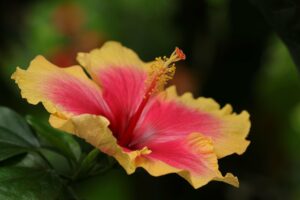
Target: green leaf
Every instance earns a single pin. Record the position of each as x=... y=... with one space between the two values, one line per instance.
x=9 y=137
x=9 y=150
x=21 y=183
x=13 y=141
x=17 y=126
x=64 y=143
x=87 y=163
x=33 y=160
x=57 y=161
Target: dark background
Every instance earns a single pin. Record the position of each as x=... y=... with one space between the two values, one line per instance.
x=234 y=55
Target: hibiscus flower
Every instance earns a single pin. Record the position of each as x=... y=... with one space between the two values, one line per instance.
x=125 y=111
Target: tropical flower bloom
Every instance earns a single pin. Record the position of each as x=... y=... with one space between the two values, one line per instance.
x=124 y=111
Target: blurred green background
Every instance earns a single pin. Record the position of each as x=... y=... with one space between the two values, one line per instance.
x=233 y=55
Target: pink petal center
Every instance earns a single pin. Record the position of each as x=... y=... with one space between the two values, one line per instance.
x=165 y=121
x=123 y=90
x=75 y=96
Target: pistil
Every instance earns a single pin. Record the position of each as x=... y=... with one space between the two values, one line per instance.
x=162 y=70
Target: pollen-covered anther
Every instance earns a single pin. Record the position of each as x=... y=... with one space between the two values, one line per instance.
x=163 y=69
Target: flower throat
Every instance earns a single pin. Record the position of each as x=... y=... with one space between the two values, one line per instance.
x=161 y=71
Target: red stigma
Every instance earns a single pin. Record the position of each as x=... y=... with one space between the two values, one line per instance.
x=180 y=53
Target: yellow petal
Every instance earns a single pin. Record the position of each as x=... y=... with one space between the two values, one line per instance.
x=94 y=129
x=203 y=147
x=233 y=128
x=111 y=54
x=59 y=89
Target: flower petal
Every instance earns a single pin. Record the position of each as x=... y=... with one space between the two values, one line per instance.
x=94 y=129
x=111 y=54
x=66 y=91
x=170 y=117
x=228 y=130
x=123 y=90
x=193 y=158
x=122 y=76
